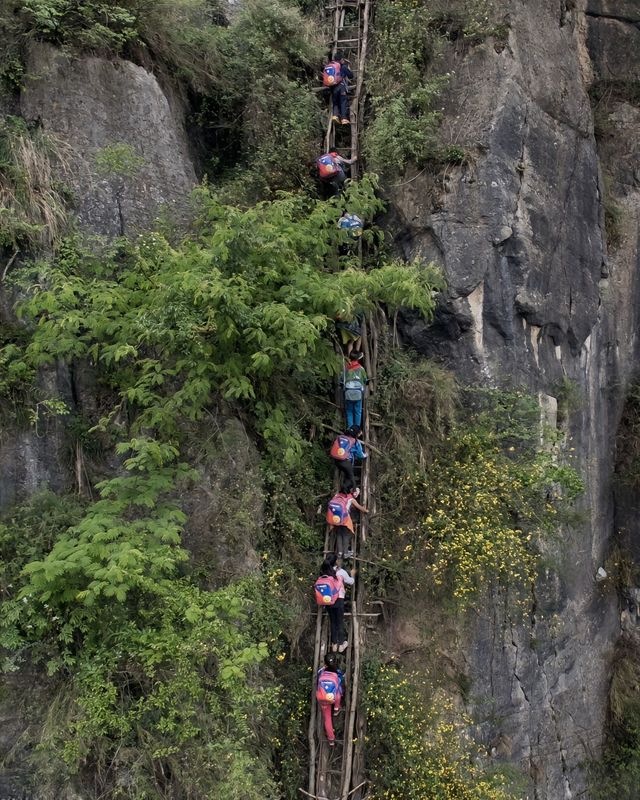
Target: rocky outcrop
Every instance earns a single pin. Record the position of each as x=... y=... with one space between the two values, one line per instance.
x=90 y=104
x=537 y=298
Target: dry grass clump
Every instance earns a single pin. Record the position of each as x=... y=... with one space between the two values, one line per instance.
x=32 y=195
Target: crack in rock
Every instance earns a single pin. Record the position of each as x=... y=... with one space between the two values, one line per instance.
x=614 y=17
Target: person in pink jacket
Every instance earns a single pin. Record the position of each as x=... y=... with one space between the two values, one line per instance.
x=329 y=693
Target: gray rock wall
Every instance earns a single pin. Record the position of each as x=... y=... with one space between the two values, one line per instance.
x=536 y=299
x=93 y=103
x=87 y=104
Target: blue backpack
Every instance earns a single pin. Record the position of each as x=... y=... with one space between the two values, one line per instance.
x=352 y=224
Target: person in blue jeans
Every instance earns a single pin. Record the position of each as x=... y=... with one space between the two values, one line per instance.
x=339 y=95
x=354 y=381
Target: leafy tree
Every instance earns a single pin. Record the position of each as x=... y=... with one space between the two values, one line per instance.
x=170 y=679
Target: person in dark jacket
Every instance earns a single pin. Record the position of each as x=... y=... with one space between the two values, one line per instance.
x=339 y=642
x=339 y=93
x=350 y=331
x=345 y=449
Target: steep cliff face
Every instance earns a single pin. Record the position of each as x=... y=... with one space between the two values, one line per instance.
x=536 y=300
x=90 y=106
x=93 y=103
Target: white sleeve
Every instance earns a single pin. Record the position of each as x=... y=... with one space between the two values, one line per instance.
x=342 y=573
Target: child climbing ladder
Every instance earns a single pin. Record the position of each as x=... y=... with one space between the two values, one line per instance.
x=331 y=774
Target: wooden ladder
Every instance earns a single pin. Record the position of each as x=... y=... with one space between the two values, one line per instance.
x=350 y=24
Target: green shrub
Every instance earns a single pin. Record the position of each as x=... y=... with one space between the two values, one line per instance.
x=417 y=745
x=618 y=772
x=467 y=489
x=404 y=79
x=166 y=675
x=404 y=122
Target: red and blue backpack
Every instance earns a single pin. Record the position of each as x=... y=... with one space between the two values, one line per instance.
x=342 y=447
x=327 y=590
x=328 y=166
x=332 y=74
x=328 y=687
x=338 y=509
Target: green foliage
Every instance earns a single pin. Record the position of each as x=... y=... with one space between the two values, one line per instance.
x=467 y=489
x=417 y=746
x=242 y=311
x=28 y=533
x=405 y=82
x=618 y=773
x=16 y=376
x=167 y=683
x=91 y=25
x=118 y=159
x=404 y=124
x=265 y=121
x=32 y=200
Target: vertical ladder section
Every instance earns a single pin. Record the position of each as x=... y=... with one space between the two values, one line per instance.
x=350 y=24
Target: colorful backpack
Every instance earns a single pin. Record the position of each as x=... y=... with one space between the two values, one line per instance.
x=327 y=590
x=332 y=74
x=328 y=687
x=342 y=447
x=352 y=224
x=328 y=167
x=353 y=385
x=338 y=510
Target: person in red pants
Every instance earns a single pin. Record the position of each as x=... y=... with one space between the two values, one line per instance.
x=329 y=693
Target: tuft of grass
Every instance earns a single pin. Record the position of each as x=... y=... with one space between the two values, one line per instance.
x=32 y=198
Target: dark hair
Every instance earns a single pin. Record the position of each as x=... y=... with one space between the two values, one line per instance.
x=357 y=355
x=329 y=564
x=355 y=431
x=331 y=662
x=338 y=56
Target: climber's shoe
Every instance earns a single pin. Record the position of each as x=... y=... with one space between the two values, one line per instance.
x=335 y=118
x=345 y=122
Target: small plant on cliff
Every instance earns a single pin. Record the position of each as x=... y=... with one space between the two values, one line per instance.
x=404 y=79
x=404 y=120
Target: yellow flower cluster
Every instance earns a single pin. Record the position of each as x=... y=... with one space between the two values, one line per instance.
x=487 y=509
x=417 y=749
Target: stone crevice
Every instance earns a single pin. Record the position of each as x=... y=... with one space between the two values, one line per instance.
x=615 y=17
